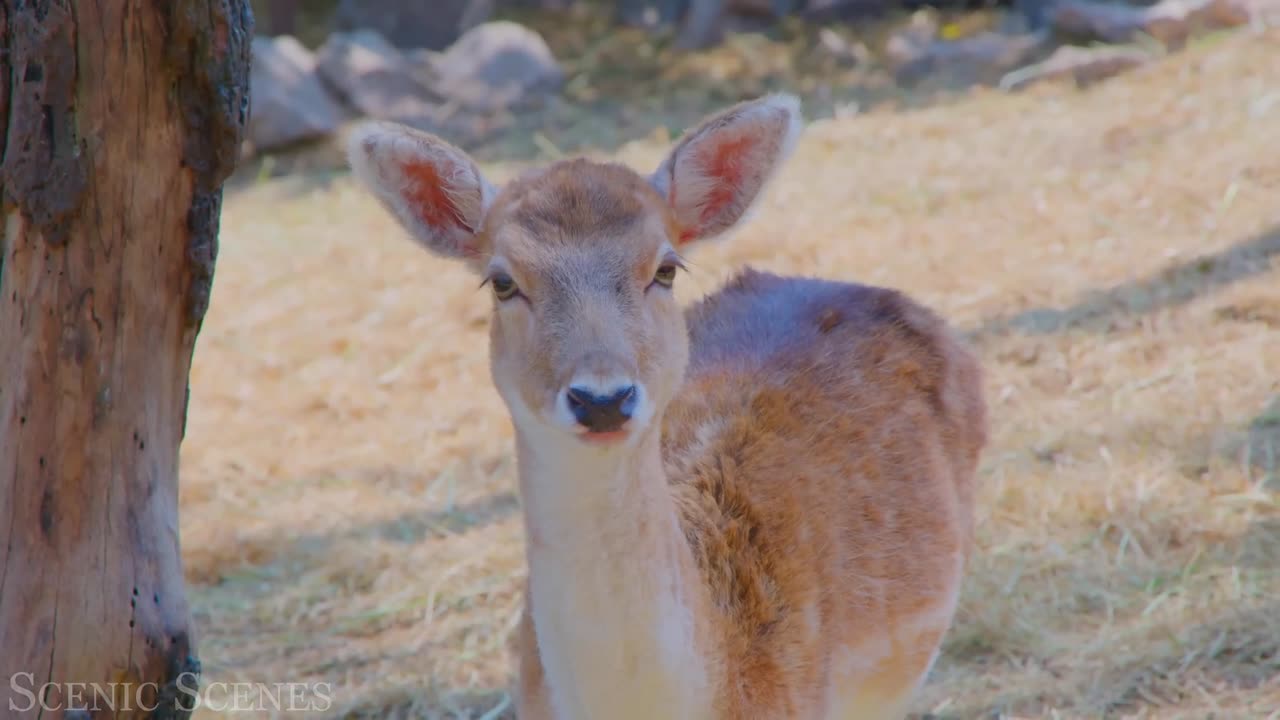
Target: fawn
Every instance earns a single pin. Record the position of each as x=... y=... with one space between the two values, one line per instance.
x=757 y=508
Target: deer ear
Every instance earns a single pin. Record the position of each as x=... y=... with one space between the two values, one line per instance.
x=716 y=173
x=431 y=187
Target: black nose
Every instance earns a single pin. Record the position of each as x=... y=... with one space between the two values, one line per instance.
x=602 y=413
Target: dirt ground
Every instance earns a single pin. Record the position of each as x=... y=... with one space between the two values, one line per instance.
x=348 y=500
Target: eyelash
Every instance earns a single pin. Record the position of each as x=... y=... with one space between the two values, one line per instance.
x=672 y=267
x=499 y=279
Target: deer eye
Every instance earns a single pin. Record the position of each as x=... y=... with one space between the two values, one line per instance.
x=666 y=275
x=504 y=288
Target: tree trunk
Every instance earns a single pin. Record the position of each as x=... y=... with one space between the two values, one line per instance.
x=119 y=122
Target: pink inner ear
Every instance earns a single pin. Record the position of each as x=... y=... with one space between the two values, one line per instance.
x=722 y=166
x=427 y=196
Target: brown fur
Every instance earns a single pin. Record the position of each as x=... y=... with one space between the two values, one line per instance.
x=840 y=482
x=807 y=494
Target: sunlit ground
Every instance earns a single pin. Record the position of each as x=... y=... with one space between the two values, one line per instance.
x=348 y=506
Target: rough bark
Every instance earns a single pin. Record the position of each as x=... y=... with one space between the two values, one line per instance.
x=121 y=120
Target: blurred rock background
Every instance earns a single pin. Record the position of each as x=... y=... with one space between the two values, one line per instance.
x=540 y=78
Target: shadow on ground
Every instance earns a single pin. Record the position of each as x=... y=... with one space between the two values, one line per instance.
x=1106 y=310
x=409 y=527
x=1235 y=649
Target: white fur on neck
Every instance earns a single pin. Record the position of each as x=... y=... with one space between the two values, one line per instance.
x=616 y=635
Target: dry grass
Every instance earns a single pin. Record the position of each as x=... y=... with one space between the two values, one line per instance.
x=347 y=490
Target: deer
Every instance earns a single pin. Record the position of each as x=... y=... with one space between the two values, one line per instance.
x=756 y=507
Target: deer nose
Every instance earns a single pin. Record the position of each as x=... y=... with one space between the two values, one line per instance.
x=602 y=413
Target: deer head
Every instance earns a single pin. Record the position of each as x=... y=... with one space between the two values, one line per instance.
x=587 y=341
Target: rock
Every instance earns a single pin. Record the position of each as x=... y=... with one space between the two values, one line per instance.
x=1085 y=65
x=1033 y=13
x=843 y=50
x=431 y=24
x=371 y=74
x=377 y=80
x=1170 y=21
x=289 y=104
x=495 y=66
x=908 y=45
x=916 y=51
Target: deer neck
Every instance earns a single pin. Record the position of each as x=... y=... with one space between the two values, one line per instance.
x=618 y=606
